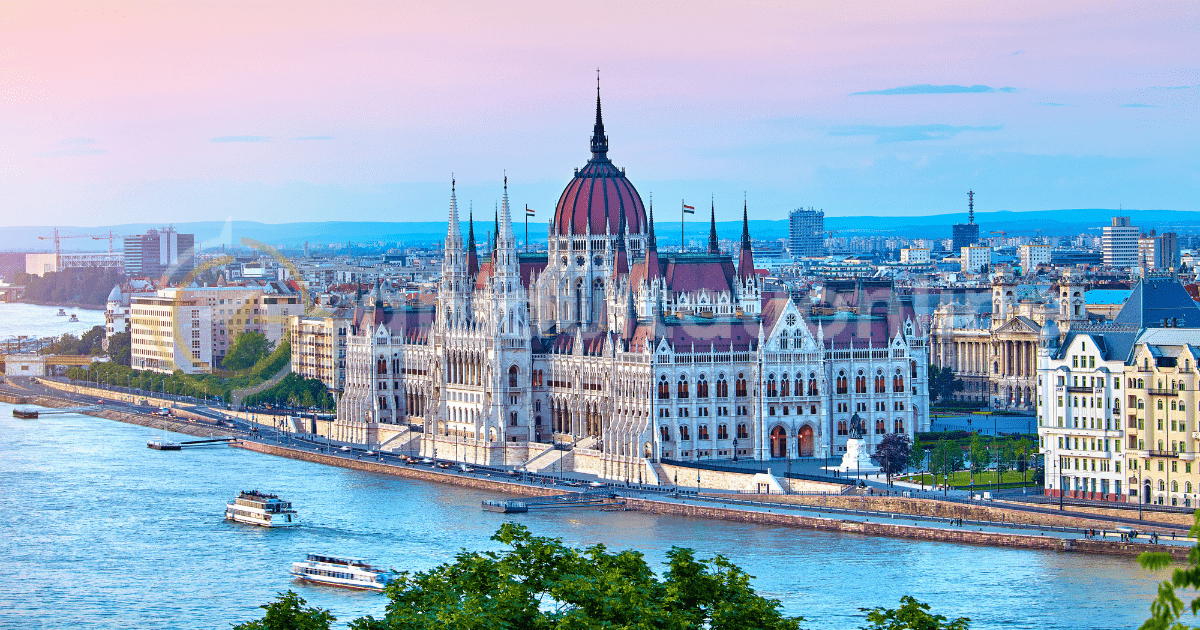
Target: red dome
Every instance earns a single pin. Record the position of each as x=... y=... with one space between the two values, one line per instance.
x=599 y=194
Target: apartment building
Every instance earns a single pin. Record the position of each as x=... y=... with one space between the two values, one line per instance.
x=192 y=328
x=319 y=346
x=1119 y=244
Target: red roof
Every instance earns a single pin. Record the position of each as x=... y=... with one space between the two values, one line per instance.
x=599 y=194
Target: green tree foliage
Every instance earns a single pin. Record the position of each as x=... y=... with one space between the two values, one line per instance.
x=247 y=350
x=911 y=615
x=980 y=458
x=541 y=584
x=70 y=286
x=916 y=454
x=294 y=390
x=942 y=383
x=290 y=613
x=87 y=344
x=1167 y=608
x=120 y=348
x=892 y=453
x=945 y=458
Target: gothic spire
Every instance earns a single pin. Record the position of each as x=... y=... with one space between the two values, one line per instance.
x=621 y=259
x=472 y=255
x=651 y=249
x=599 y=139
x=746 y=255
x=453 y=230
x=713 y=246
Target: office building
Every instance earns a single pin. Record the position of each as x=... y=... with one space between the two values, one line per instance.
x=1119 y=244
x=160 y=252
x=1033 y=255
x=807 y=231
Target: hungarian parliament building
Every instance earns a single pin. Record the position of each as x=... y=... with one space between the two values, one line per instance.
x=604 y=354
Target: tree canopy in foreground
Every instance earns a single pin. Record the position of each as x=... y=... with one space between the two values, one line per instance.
x=540 y=584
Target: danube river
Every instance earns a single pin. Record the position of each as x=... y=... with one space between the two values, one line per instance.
x=98 y=531
x=34 y=320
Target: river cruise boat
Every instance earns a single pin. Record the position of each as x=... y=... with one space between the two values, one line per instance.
x=265 y=510
x=74 y=318
x=345 y=572
x=62 y=312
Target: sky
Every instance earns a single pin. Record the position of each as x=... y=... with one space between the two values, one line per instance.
x=290 y=111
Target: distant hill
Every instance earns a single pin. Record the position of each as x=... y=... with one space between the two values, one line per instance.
x=321 y=234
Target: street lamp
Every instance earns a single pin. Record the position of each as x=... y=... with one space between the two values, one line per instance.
x=734 y=449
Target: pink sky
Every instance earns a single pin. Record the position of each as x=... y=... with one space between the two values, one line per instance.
x=109 y=111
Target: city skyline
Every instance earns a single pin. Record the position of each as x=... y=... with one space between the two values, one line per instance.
x=364 y=111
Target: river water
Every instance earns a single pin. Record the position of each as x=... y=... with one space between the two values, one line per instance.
x=98 y=531
x=33 y=320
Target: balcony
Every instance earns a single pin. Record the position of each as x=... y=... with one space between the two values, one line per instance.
x=1076 y=389
x=1162 y=392
x=1162 y=454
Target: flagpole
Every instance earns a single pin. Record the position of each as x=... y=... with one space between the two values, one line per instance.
x=526 y=227
x=682 y=209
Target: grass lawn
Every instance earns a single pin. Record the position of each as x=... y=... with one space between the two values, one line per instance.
x=963 y=478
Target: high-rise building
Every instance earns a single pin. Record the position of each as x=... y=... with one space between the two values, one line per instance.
x=1149 y=254
x=160 y=252
x=807 y=230
x=1168 y=251
x=965 y=234
x=1119 y=243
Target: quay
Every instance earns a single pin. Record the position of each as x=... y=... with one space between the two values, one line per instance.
x=777 y=510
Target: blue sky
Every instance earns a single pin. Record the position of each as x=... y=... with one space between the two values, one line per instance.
x=361 y=111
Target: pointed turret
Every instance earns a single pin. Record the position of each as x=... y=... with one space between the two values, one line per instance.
x=621 y=258
x=713 y=246
x=651 y=250
x=472 y=255
x=746 y=255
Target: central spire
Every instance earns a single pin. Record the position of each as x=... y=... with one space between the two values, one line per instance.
x=599 y=140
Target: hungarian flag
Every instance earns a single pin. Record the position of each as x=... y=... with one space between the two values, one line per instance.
x=689 y=209
x=528 y=211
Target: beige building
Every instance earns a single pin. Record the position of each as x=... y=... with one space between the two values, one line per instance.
x=319 y=346
x=975 y=258
x=192 y=328
x=1033 y=255
x=914 y=255
x=170 y=331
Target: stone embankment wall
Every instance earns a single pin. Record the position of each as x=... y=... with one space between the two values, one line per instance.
x=411 y=472
x=946 y=509
x=890 y=528
x=722 y=480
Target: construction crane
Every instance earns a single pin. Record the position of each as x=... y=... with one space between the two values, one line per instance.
x=57 y=238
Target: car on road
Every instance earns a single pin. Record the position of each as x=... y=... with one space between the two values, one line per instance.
x=345 y=449
x=426 y=461
x=409 y=459
x=444 y=465
x=465 y=468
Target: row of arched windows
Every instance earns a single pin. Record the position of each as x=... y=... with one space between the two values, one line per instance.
x=683 y=387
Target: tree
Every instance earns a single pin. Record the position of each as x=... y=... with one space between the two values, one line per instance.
x=538 y=583
x=911 y=615
x=980 y=458
x=1166 y=609
x=943 y=383
x=289 y=613
x=119 y=348
x=247 y=349
x=944 y=460
x=916 y=457
x=892 y=453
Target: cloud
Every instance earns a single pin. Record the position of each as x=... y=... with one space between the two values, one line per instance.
x=241 y=139
x=1136 y=105
x=908 y=133
x=315 y=138
x=70 y=151
x=75 y=142
x=926 y=88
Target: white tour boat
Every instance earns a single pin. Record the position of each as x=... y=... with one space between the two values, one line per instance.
x=266 y=510
x=345 y=572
